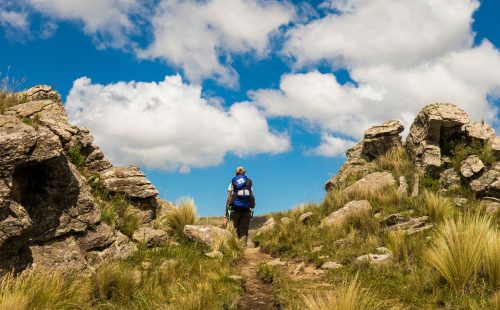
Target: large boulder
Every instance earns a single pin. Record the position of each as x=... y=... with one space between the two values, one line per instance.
x=449 y=179
x=372 y=183
x=479 y=131
x=352 y=208
x=150 y=237
x=268 y=226
x=495 y=146
x=434 y=125
x=471 y=166
x=489 y=182
x=379 y=140
x=206 y=234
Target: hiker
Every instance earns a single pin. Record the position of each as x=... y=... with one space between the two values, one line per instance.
x=240 y=203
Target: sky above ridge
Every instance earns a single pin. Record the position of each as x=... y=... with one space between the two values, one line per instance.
x=191 y=89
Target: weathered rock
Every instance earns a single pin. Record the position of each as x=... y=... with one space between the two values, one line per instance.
x=384 y=250
x=460 y=201
x=353 y=208
x=479 y=131
x=236 y=278
x=375 y=259
x=495 y=146
x=371 y=183
x=214 y=254
x=331 y=266
x=205 y=234
x=489 y=182
x=150 y=237
x=276 y=262
x=434 y=124
x=449 y=179
x=393 y=219
x=42 y=92
x=304 y=218
x=403 y=187
x=63 y=255
x=285 y=220
x=491 y=205
x=471 y=166
x=268 y=226
x=354 y=167
x=413 y=226
x=122 y=248
x=100 y=238
x=416 y=185
x=381 y=139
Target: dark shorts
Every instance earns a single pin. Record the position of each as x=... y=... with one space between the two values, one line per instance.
x=241 y=221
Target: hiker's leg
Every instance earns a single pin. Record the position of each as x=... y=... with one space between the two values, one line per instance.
x=235 y=219
x=244 y=225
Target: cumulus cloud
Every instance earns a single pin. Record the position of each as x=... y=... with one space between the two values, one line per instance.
x=14 y=19
x=332 y=146
x=366 y=32
x=196 y=35
x=467 y=78
x=168 y=124
x=108 y=21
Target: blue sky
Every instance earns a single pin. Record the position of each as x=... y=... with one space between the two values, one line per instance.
x=191 y=89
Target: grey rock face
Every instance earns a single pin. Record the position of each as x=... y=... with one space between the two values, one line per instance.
x=489 y=182
x=149 y=236
x=471 y=166
x=381 y=139
x=479 y=131
x=449 y=179
x=434 y=124
x=413 y=226
x=371 y=183
x=351 y=209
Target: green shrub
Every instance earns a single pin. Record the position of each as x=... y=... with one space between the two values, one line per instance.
x=458 y=249
x=350 y=296
x=429 y=182
x=266 y=273
x=462 y=150
x=118 y=212
x=76 y=157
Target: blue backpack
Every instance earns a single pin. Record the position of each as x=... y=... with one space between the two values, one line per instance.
x=242 y=192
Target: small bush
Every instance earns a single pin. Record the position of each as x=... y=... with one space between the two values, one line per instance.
x=266 y=273
x=397 y=161
x=463 y=150
x=430 y=183
x=42 y=289
x=114 y=282
x=76 y=157
x=458 y=249
x=350 y=296
x=230 y=246
x=492 y=259
x=118 y=212
x=184 y=214
x=437 y=207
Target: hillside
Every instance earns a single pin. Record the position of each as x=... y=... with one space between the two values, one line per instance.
x=405 y=224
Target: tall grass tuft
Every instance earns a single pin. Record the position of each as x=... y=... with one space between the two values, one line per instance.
x=458 y=249
x=491 y=263
x=184 y=214
x=397 y=161
x=230 y=246
x=114 y=282
x=437 y=207
x=350 y=296
x=42 y=289
x=118 y=212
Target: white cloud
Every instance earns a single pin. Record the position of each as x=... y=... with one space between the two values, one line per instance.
x=108 y=21
x=168 y=124
x=367 y=32
x=194 y=35
x=14 y=19
x=466 y=78
x=332 y=146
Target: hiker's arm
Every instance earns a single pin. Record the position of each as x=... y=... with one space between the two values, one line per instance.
x=228 y=200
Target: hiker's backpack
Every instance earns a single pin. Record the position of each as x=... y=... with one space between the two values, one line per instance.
x=242 y=192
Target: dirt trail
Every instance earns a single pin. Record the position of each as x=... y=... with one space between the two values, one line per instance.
x=258 y=295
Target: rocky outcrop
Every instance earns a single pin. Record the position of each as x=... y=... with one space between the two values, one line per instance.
x=371 y=183
x=489 y=182
x=377 y=141
x=449 y=179
x=435 y=124
x=471 y=166
x=48 y=215
x=150 y=237
x=353 y=208
x=268 y=226
x=479 y=131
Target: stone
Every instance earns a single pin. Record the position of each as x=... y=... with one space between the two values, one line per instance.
x=393 y=219
x=236 y=278
x=491 y=205
x=471 y=166
x=299 y=269
x=373 y=182
x=489 y=182
x=416 y=185
x=449 y=179
x=150 y=237
x=331 y=266
x=383 y=250
x=215 y=254
x=375 y=259
x=206 y=234
x=276 y=262
x=495 y=146
x=128 y=180
x=403 y=187
x=305 y=217
x=268 y=226
x=379 y=140
x=435 y=123
x=317 y=248
x=460 y=201
x=354 y=167
x=350 y=209
x=101 y=237
x=63 y=255
x=479 y=131
x=42 y=92
x=285 y=220
x=413 y=226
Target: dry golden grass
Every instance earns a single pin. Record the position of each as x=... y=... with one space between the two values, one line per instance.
x=350 y=296
x=436 y=206
x=175 y=220
x=459 y=248
x=396 y=161
x=491 y=261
